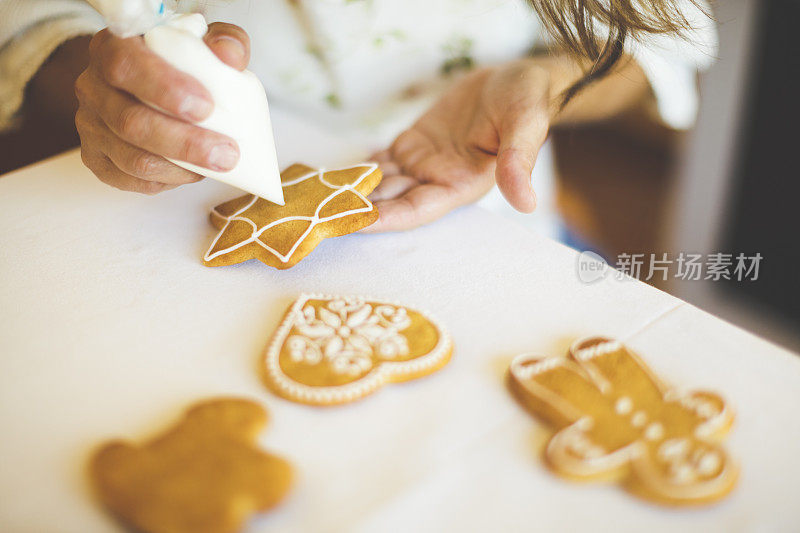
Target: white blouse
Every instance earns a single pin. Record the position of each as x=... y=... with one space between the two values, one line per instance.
x=366 y=62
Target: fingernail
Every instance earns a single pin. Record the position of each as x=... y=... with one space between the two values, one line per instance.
x=229 y=46
x=195 y=107
x=223 y=157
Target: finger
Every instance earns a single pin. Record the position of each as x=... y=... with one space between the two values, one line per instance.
x=230 y=43
x=390 y=168
x=407 y=143
x=392 y=187
x=513 y=176
x=387 y=164
x=381 y=157
x=129 y=65
x=128 y=158
x=411 y=150
x=108 y=173
x=420 y=205
x=147 y=166
x=160 y=134
x=521 y=136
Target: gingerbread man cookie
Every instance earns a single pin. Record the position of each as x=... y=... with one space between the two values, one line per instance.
x=319 y=204
x=617 y=421
x=204 y=475
x=332 y=350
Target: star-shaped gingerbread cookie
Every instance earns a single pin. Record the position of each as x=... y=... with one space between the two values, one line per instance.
x=319 y=204
x=206 y=474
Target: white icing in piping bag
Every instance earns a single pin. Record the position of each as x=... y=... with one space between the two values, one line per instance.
x=240 y=110
x=126 y=18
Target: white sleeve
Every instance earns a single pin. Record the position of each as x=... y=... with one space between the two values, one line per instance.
x=672 y=63
x=30 y=30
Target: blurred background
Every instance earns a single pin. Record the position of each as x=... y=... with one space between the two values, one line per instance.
x=731 y=186
x=629 y=189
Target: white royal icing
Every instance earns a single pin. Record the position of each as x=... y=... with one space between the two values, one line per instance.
x=574 y=452
x=347 y=332
x=596 y=350
x=687 y=463
x=623 y=406
x=639 y=419
x=314 y=220
x=654 y=431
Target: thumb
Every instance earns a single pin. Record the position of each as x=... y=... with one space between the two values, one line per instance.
x=230 y=43
x=521 y=136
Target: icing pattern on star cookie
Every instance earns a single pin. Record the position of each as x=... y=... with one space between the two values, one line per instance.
x=617 y=420
x=205 y=473
x=315 y=201
x=330 y=350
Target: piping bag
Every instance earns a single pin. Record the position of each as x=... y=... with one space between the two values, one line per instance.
x=241 y=110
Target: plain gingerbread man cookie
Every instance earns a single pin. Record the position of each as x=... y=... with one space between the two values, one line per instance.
x=331 y=350
x=617 y=421
x=319 y=204
x=203 y=475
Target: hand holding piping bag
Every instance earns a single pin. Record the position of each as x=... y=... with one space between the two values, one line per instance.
x=177 y=105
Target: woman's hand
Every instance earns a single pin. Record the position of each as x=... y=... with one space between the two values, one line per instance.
x=488 y=128
x=126 y=142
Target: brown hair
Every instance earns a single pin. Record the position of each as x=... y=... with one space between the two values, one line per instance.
x=597 y=29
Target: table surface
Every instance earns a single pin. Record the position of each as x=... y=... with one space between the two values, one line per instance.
x=110 y=326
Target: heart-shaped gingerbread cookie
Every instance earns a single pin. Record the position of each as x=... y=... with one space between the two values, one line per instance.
x=331 y=350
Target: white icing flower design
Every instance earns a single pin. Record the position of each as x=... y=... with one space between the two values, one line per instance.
x=348 y=333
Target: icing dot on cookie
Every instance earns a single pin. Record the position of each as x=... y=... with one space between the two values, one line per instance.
x=706 y=410
x=623 y=406
x=654 y=431
x=709 y=464
x=594 y=452
x=639 y=419
x=673 y=449
x=683 y=473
